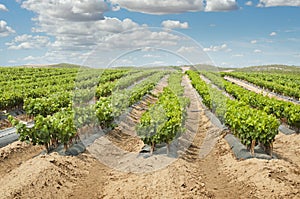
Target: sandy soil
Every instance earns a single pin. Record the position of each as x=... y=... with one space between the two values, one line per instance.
x=13 y=155
x=24 y=117
x=190 y=176
x=268 y=178
x=125 y=132
x=4 y=124
x=287 y=147
x=206 y=169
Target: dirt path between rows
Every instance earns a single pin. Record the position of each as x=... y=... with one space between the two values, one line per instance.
x=208 y=81
x=205 y=168
x=189 y=176
x=256 y=89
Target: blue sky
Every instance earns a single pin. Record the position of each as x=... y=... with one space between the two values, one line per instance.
x=107 y=33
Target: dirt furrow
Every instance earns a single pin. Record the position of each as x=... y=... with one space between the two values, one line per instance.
x=124 y=135
x=189 y=176
x=216 y=87
x=205 y=167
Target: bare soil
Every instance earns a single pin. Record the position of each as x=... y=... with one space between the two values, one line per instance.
x=206 y=169
x=15 y=154
x=4 y=124
x=24 y=117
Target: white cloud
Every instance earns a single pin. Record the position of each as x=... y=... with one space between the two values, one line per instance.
x=28 y=42
x=158 y=63
x=114 y=25
x=75 y=36
x=160 y=7
x=122 y=62
x=257 y=51
x=216 y=48
x=148 y=40
x=83 y=18
x=12 y=61
x=174 y=24
x=220 y=5
x=4 y=29
x=253 y=42
x=30 y=58
x=187 y=49
x=238 y=55
x=249 y=3
x=151 y=56
x=139 y=39
x=272 y=3
x=148 y=49
x=74 y=27
x=83 y=10
x=3 y=7
x=273 y=34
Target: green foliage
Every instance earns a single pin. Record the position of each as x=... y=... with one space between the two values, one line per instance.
x=85 y=116
x=201 y=88
x=248 y=124
x=152 y=122
x=106 y=89
x=18 y=84
x=109 y=75
x=108 y=108
x=47 y=105
x=48 y=94
x=163 y=121
x=104 y=111
x=59 y=128
x=285 y=84
x=279 y=109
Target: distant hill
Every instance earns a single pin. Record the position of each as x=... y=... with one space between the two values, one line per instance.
x=66 y=65
x=270 y=68
x=206 y=67
x=61 y=65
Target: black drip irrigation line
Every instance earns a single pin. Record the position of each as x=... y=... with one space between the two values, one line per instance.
x=83 y=143
x=9 y=135
x=240 y=151
x=282 y=128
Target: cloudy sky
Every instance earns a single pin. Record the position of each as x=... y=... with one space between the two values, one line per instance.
x=103 y=33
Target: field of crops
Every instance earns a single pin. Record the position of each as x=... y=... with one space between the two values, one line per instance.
x=158 y=116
